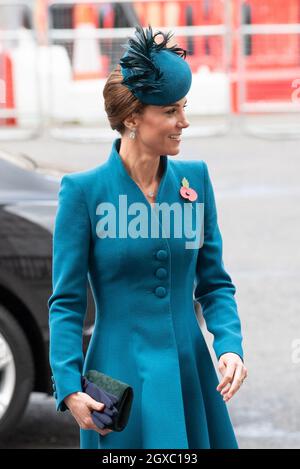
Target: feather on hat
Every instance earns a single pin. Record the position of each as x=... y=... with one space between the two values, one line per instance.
x=154 y=73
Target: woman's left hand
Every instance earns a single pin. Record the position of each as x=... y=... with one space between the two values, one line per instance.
x=234 y=372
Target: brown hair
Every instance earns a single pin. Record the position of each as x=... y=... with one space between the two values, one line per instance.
x=119 y=101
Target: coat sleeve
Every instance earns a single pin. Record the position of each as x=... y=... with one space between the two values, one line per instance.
x=68 y=302
x=214 y=288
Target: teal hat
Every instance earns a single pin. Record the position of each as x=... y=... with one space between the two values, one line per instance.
x=154 y=73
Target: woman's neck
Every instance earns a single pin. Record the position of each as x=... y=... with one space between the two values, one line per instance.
x=144 y=168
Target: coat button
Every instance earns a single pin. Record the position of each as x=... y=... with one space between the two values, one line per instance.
x=53 y=387
x=160 y=292
x=52 y=379
x=55 y=394
x=161 y=273
x=161 y=255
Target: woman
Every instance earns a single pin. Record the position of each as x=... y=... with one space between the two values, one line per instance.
x=143 y=274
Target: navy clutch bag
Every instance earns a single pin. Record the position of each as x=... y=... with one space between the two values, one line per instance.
x=116 y=395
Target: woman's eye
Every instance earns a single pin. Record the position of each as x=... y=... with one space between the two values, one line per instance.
x=173 y=110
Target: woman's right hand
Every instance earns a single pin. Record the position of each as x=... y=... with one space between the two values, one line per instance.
x=81 y=406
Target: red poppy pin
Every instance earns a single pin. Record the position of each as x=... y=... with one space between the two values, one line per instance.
x=187 y=192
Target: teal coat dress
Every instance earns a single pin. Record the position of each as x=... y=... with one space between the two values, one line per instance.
x=146 y=331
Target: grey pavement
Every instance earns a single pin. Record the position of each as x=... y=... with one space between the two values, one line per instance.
x=257 y=192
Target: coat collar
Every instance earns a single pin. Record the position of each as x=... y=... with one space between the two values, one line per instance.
x=117 y=167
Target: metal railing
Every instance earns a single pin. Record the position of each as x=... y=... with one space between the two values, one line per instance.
x=209 y=105
x=268 y=116
x=45 y=86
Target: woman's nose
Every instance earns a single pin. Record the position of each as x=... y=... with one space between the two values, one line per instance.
x=184 y=123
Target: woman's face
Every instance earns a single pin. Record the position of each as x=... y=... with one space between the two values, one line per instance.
x=158 y=123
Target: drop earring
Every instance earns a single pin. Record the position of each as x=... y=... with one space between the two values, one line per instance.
x=132 y=134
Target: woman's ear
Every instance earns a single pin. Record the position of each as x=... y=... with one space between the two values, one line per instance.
x=132 y=120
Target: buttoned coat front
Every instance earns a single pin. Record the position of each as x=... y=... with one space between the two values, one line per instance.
x=146 y=331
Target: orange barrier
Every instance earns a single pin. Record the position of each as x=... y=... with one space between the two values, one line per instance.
x=84 y=13
x=154 y=13
x=6 y=74
x=108 y=17
x=88 y=62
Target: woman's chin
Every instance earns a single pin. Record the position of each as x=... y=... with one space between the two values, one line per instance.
x=174 y=150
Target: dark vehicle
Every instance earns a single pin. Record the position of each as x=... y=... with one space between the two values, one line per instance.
x=28 y=203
